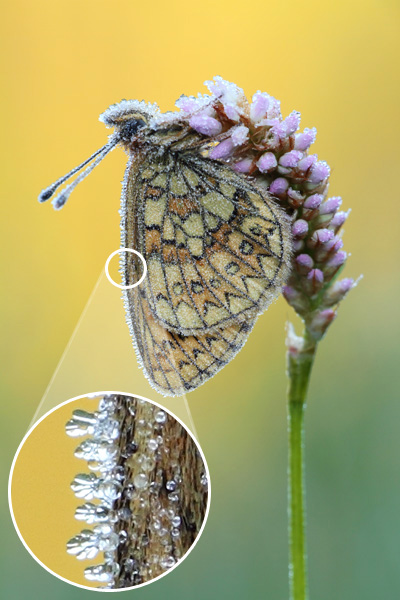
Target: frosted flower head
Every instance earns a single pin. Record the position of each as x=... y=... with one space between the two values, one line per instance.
x=193 y=104
x=258 y=141
x=231 y=97
x=264 y=108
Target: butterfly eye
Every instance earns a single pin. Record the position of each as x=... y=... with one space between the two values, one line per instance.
x=128 y=129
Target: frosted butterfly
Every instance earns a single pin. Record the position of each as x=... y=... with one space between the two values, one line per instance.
x=217 y=247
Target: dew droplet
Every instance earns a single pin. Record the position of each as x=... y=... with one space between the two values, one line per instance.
x=175 y=532
x=148 y=463
x=152 y=444
x=107 y=403
x=167 y=563
x=124 y=513
x=160 y=417
x=129 y=564
x=140 y=481
x=123 y=536
x=176 y=521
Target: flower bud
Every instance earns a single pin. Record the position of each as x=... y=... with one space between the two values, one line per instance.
x=304 y=140
x=337 y=260
x=304 y=263
x=330 y=206
x=305 y=163
x=315 y=281
x=338 y=220
x=321 y=236
x=326 y=251
x=319 y=171
x=313 y=201
x=240 y=135
x=205 y=125
x=292 y=122
x=244 y=166
x=334 y=263
x=311 y=205
x=259 y=106
x=298 y=245
x=300 y=228
x=295 y=198
x=279 y=186
x=267 y=162
x=297 y=300
x=290 y=159
x=223 y=150
x=336 y=292
x=231 y=111
x=320 y=323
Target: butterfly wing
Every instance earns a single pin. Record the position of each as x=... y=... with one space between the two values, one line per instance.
x=217 y=248
x=173 y=363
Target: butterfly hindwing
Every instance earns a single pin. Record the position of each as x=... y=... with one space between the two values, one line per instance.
x=175 y=364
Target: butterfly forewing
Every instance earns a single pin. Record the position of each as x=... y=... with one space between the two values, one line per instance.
x=215 y=244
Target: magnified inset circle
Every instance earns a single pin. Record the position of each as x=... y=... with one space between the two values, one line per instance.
x=125 y=287
x=109 y=492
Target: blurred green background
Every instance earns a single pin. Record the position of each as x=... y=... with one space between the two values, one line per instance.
x=63 y=63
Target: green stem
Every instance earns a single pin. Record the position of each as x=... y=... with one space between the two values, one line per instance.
x=299 y=370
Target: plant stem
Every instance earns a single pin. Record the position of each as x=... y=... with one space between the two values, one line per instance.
x=299 y=370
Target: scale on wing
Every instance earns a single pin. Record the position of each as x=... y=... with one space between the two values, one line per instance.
x=216 y=246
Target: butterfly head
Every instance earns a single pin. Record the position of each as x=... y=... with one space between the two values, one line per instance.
x=128 y=117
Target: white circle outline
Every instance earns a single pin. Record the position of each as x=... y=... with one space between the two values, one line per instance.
x=126 y=287
x=84 y=587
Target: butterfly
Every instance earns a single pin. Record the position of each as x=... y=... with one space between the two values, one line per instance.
x=217 y=247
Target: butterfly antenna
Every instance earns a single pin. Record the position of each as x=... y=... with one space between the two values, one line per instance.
x=61 y=198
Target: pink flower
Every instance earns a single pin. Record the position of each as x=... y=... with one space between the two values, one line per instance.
x=267 y=162
x=298 y=181
x=244 y=166
x=223 y=150
x=205 y=125
x=304 y=140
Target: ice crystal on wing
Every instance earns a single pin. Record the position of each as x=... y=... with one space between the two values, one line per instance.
x=92 y=513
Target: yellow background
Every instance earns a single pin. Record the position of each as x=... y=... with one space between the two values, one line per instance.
x=64 y=62
x=42 y=500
